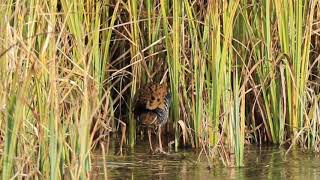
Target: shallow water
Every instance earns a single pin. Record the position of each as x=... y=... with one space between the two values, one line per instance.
x=260 y=162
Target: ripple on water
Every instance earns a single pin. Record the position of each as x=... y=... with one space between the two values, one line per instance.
x=260 y=162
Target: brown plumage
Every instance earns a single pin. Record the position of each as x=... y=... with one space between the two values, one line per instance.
x=151 y=108
x=151 y=96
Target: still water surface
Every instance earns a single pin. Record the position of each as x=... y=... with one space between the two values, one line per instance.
x=260 y=163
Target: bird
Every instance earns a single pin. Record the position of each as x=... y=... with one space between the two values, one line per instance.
x=151 y=105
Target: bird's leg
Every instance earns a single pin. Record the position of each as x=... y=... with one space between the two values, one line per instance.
x=160 y=142
x=149 y=136
x=159 y=134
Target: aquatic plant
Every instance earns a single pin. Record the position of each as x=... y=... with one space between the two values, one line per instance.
x=239 y=72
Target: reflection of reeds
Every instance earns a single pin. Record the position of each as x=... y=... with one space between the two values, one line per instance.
x=69 y=68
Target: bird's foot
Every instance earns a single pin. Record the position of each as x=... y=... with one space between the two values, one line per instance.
x=151 y=152
x=161 y=151
x=119 y=153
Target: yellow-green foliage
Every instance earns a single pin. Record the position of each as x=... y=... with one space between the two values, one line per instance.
x=239 y=71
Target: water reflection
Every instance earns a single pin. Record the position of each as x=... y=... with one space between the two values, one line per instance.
x=260 y=162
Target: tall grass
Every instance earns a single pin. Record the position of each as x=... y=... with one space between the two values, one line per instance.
x=239 y=71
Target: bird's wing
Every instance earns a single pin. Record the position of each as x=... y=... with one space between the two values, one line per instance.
x=148 y=118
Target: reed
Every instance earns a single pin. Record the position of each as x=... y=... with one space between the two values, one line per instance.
x=239 y=72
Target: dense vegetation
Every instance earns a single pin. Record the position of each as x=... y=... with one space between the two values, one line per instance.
x=240 y=72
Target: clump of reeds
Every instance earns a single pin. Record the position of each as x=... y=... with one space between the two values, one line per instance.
x=240 y=71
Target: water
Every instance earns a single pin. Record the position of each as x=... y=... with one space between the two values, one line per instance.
x=260 y=162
